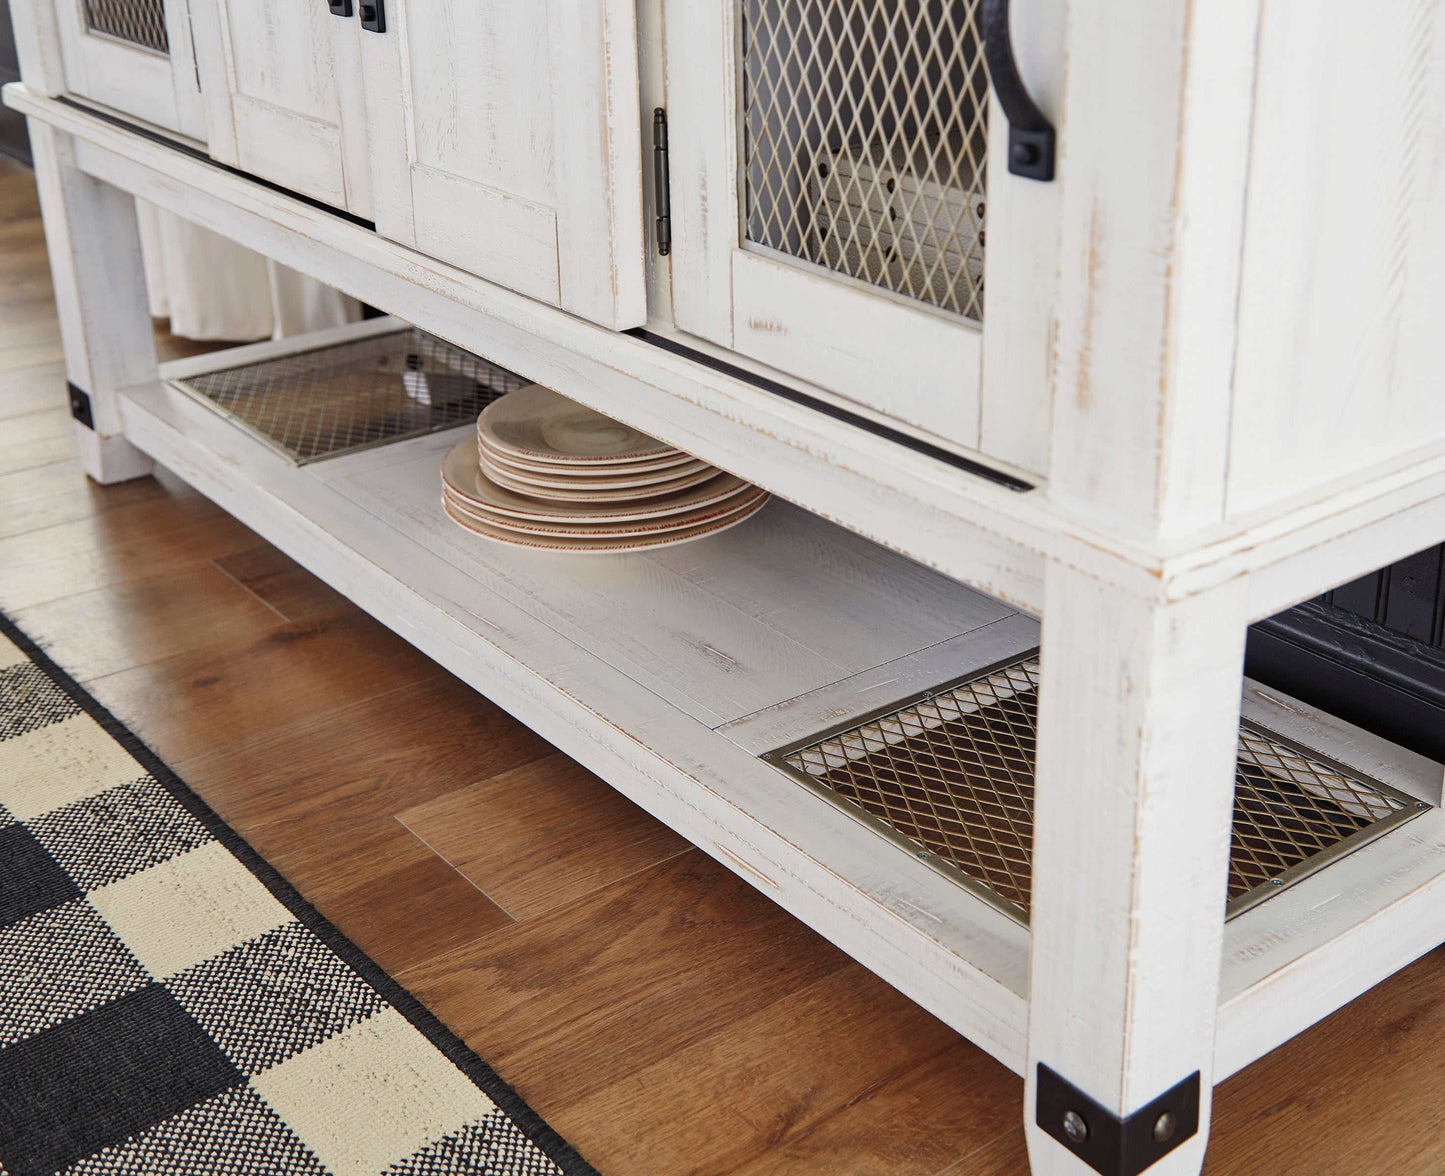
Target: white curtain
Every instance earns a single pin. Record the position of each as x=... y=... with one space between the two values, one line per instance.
x=212 y=288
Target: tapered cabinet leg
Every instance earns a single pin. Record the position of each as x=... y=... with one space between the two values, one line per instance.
x=1138 y=721
x=100 y=297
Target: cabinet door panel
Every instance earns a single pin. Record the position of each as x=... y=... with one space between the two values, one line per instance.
x=790 y=317
x=300 y=153
x=135 y=57
x=832 y=197
x=486 y=232
x=282 y=82
x=505 y=140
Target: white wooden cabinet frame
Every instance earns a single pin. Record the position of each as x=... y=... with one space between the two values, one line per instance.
x=1235 y=406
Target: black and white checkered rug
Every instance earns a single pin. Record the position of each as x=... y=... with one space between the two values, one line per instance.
x=170 y=1005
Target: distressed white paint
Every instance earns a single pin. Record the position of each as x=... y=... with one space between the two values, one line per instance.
x=1138 y=721
x=505 y=140
x=158 y=88
x=93 y=241
x=1152 y=170
x=1021 y=258
x=899 y=357
x=283 y=90
x=1340 y=341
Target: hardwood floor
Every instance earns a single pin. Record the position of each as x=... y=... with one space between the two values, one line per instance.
x=658 y=1011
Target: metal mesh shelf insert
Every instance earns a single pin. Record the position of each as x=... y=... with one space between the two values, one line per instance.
x=353 y=395
x=950 y=776
x=864 y=139
x=139 y=22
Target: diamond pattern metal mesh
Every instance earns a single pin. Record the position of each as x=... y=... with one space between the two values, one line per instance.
x=952 y=777
x=351 y=396
x=141 y=22
x=865 y=133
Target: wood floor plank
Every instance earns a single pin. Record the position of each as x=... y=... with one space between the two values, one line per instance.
x=48 y=496
x=30 y=389
x=36 y=439
x=570 y=1004
x=298 y=784
x=123 y=626
x=393 y=897
x=542 y=835
x=844 y=1075
x=1359 y=1092
x=282 y=583
x=194 y=702
x=113 y=546
x=1008 y=1156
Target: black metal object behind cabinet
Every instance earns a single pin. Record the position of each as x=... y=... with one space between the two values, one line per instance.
x=1371 y=651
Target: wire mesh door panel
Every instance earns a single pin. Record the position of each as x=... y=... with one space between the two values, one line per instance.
x=841 y=202
x=135 y=57
x=139 y=22
x=864 y=141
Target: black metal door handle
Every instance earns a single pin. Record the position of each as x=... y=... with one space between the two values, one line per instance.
x=373 y=16
x=1030 y=134
x=340 y=7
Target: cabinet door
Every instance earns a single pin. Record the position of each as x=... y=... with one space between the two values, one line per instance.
x=506 y=140
x=842 y=210
x=283 y=93
x=135 y=57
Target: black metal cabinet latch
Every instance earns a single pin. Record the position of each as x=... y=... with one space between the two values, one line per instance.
x=1108 y=1144
x=373 y=16
x=340 y=7
x=1030 y=134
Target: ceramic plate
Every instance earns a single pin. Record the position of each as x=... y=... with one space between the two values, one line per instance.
x=464 y=477
x=594 y=470
x=682 y=520
x=560 y=479
x=601 y=546
x=537 y=424
x=585 y=493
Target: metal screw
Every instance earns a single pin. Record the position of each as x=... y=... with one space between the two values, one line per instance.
x=1164 y=1127
x=1276 y=881
x=1075 y=1127
x=1420 y=804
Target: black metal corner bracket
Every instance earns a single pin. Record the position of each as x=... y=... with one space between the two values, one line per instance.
x=80 y=405
x=1030 y=134
x=1110 y=1145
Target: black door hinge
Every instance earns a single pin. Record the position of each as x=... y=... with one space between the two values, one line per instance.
x=661 y=181
x=1104 y=1141
x=80 y=405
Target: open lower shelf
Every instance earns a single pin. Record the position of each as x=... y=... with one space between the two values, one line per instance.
x=670 y=673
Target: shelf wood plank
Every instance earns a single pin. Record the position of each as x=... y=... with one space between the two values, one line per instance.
x=779 y=606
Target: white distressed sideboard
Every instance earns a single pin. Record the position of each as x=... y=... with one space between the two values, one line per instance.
x=1124 y=342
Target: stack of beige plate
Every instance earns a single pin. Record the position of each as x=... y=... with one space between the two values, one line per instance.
x=546 y=472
